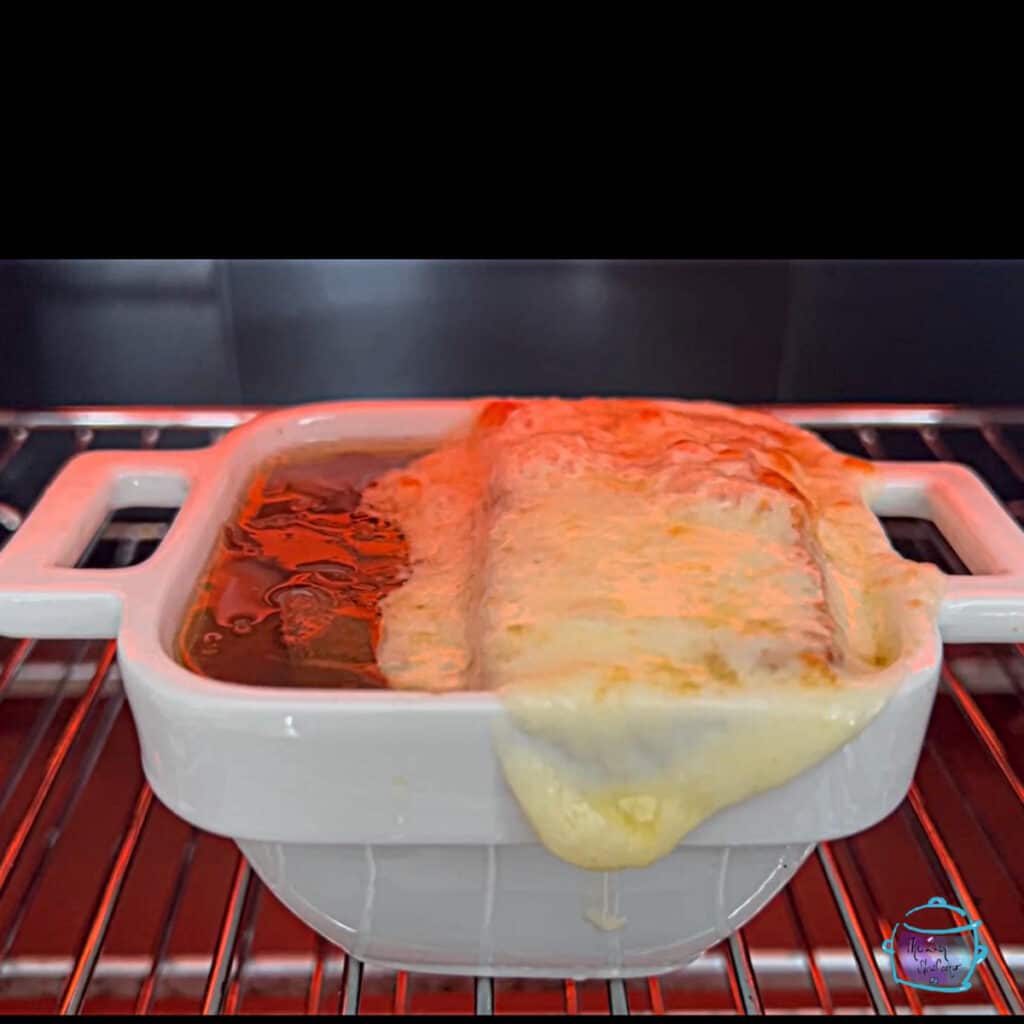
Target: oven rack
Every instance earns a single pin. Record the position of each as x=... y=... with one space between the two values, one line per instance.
x=109 y=903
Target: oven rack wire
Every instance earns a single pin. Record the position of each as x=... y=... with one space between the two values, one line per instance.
x=169 y=919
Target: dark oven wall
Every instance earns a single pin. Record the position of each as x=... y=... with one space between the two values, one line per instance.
x=266 y=332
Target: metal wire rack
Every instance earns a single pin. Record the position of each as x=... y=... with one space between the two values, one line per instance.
x=109 y=903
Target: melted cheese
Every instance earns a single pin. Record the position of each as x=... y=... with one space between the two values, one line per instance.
x=680 y=606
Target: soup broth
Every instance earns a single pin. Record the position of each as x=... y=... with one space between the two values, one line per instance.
x=291 y=594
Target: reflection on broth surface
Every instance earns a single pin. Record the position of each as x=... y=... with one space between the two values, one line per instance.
x=291 y=594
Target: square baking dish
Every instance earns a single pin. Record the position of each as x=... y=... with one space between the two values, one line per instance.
x=382 y=818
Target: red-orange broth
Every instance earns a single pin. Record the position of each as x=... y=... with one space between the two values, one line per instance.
x=291 y=594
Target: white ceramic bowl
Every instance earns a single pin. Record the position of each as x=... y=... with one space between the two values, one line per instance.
x=382 y=818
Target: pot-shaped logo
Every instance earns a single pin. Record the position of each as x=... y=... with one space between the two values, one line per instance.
x=935 y=947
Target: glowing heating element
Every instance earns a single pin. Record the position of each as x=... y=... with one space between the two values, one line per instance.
x=681 y=606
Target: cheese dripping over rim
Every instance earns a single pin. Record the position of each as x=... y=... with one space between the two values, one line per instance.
x=680 y=605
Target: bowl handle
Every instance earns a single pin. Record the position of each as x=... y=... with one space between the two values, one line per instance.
x=41 y=593
x=987 y=607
